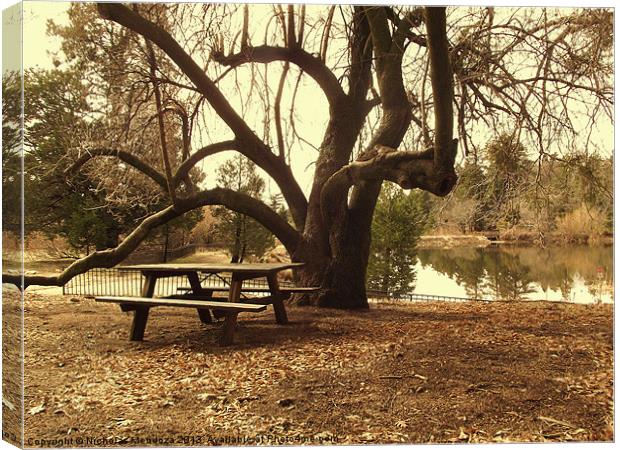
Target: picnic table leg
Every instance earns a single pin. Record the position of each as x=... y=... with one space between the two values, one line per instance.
x=141 y=314
x=194 y=282
x=148 y=288
x=278 y=303
x=230 y=323
x=204 y=315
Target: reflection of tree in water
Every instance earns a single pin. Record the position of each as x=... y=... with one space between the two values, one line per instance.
x=464 y=265
x=507 y=277
x=512 y=273
x=557 y=268
x=565 y=285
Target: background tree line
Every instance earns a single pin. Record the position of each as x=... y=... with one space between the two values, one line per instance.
x=504 y=191
x=510 y=192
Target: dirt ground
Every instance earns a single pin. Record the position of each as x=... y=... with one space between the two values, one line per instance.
x=410 y=373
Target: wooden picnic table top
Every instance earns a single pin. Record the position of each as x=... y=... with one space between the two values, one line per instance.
x=255 y=268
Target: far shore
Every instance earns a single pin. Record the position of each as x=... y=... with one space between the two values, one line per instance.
x=489 y=239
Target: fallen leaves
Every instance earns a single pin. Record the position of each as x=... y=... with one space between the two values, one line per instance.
x=208 y=397
x=8 y=404
x=397 y=373
x=36 y=409
x=482 y=387
x=287 y=403
x=122 y=422
x=555 y=421
x=399 y=377
x=560 y=428
x=470 y=435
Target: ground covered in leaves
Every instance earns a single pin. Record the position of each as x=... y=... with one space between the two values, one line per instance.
x=422 y=372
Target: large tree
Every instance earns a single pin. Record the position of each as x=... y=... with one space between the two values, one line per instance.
x=386 y=74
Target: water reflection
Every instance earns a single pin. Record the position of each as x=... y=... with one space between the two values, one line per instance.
x=582 y=274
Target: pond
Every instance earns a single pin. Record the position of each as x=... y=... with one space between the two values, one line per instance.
x=579 y=274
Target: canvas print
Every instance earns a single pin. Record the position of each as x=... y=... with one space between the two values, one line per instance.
x=269 y=224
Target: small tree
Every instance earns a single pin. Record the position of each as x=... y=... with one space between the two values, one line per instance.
x=397 y=225
x=204 y=231
x=508 y=174
x=242 y=235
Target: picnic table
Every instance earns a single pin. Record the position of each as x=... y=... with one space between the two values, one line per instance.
x=201 y=297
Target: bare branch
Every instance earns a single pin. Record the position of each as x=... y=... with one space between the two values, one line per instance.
x=360 y=77
x=195 y=157
x=441 y=81
x=280 y=15
x=302 y=24
x=291 y=41
x=312 y=65
x=124 y=156
x=245 y=35
x=160 y=121
x=122 y=15
x=325 y=35
x=233 y=200
x=276 y=110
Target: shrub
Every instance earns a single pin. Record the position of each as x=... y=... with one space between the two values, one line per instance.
x=581 y=224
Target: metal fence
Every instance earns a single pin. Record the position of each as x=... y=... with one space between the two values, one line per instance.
x=415 y=297
x=115 y=282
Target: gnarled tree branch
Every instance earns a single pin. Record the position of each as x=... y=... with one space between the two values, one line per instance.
x=233 y=200
x=250 y=206
x=194 y=158
x=407 y=169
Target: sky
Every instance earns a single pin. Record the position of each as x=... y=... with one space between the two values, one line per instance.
x=38 y=47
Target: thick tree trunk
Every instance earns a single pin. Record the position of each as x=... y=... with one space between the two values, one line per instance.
x=345 y=279
x=342 y=281
x=339 y=272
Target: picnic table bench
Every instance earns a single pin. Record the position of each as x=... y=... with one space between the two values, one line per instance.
x=201 y=297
